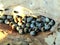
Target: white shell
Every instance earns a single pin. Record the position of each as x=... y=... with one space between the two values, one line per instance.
x=6 y=22
x=14 y=26
x=19 y=23
x=20 y=32
x=18 y=28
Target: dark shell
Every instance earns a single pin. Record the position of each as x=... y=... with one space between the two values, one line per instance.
x=47 y=27
x=29 y=19
x=1 y=21
x=33 y=33
x=36 y=29
x=4 y=17
x=29 y=30
x=52 y=23
x=24 y=20
x=47 y=19
x=9 y=16
x=38 y=19
x=23 y=25
x=33 y=21
x=38 y=24
x=32 y=25
x=43 y=19
x=26 y=30
x=27 y=25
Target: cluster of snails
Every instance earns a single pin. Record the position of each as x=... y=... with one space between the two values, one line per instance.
x=23 y=23
x=29 y=24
